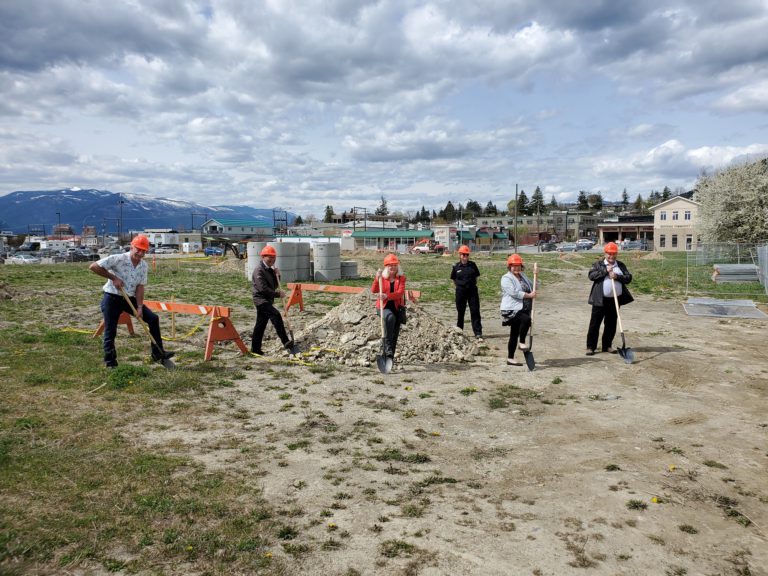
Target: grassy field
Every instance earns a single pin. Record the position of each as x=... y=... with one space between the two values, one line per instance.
x=74 y=488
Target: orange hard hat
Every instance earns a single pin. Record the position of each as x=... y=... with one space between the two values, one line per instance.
x=463 y=249
x=391 y=260
x=268 y=251
x=514 y=259
x=611 y=248
x=141 y=242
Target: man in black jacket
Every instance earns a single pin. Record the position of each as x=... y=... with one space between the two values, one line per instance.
x=265 y=289
x=607 y=274
x=464 y=275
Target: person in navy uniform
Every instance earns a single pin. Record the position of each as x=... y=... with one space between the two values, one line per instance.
x=464 y=275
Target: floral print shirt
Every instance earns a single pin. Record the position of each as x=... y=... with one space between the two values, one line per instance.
x=121 y=266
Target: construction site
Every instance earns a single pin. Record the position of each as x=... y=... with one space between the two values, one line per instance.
x=317 y=463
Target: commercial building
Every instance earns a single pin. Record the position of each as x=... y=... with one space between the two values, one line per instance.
x=676 y=224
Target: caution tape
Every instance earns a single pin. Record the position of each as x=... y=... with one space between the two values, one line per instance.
x=78 y=330
x=193 y=330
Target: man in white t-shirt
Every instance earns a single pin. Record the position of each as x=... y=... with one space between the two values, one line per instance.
x=129 y=272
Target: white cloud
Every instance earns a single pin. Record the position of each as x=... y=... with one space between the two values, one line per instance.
x=340 y=101
x=752 y=98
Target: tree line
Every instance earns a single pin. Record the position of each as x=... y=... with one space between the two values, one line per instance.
x=535 y=205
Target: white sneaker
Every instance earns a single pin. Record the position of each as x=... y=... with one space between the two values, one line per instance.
x=523 y=346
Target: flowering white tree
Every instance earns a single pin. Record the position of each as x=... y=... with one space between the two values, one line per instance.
x=734 y=203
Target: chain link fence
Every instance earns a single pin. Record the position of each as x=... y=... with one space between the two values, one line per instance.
x=727 y=271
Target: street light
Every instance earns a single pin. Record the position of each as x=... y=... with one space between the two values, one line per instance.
x=120 y=224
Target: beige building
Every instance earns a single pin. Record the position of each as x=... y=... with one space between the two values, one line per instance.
x=676 y=224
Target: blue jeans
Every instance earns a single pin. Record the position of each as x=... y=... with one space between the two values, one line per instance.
x=111 y=307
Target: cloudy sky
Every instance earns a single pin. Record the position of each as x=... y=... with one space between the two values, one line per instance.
x=303 y=104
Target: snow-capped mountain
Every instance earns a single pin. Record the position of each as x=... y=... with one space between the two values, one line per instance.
x=25 y=210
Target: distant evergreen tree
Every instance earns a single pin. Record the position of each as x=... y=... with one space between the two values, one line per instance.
x=537 y=205
x=639 y=204
x=449 y=212
x=595 y=201
x=328 y=218
x=581 y=202
x=624 y=199
x=522 y=204
x=298 y=222
x=474 y=208
x=490 y=209
x=382 y=210
x=666 y=193
x=553 y=205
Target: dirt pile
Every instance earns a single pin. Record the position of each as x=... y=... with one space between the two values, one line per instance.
x=351 y=334
x=5 y=292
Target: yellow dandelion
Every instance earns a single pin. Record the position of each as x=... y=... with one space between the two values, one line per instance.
x=655 y=500
x=409 y=388
x=267 y=554
x=434 y=433
x=672 y=467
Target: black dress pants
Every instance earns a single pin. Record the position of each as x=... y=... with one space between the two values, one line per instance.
x=266 y=313
x=605 y=314
x=469 y=295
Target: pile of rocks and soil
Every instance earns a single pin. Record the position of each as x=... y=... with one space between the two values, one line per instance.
x=351 y=334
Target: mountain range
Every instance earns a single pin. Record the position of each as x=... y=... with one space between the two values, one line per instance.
x=23 y=212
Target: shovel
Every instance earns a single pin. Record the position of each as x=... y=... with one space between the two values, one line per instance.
x=384 y=363
x=624 y=352
x=166 y=362
x=293 y=349
x=529 y=360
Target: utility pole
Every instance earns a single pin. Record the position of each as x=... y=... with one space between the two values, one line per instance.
x=58 y=226
x=120 y=226
x=515 y=217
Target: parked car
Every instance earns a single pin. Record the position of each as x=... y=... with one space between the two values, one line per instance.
x=584 y=244
x=636 y=245
x=24 y=259
x=548 y=247
x=83 y=256
x=568 y=247
x=163 y=250
x=213 y=251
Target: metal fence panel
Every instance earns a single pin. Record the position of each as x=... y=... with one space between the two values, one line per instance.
x=718 y=270
x=762 y=263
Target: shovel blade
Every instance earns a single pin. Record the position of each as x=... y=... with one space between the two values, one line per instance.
x=293 y=349
x=384 y=364
x=168 y=364
x=529 y=360
x=627 y=354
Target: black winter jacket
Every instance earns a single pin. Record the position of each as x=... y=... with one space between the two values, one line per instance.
x=264 y=287
x=598 y=273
